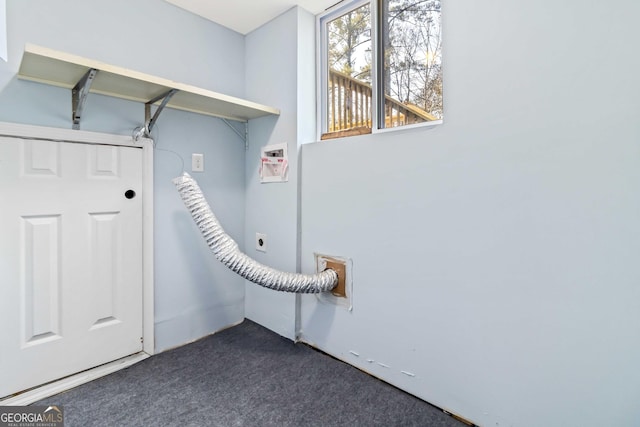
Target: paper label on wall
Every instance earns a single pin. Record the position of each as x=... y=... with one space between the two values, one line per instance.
x=274 y=163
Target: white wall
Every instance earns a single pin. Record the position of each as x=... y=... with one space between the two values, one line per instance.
x=194 y=296
x=495 y=256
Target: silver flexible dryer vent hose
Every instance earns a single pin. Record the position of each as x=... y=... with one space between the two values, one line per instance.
x=226 y=249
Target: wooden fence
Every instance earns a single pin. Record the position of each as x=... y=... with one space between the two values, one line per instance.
x=349 y=102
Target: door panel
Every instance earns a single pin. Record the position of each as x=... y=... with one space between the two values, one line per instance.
x=70 y=258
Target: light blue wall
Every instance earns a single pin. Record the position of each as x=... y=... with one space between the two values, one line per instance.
x=495 y=257
x=194 y=295
x=197 y=294
x=272 y=78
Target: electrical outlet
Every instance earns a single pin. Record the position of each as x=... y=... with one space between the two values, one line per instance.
x=197 y=162
x=261 y=242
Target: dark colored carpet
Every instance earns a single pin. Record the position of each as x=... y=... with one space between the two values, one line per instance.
x=243 y=376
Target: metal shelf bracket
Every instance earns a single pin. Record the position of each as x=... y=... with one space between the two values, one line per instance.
x=244 y=137
x=149 y=121
x=79 y=96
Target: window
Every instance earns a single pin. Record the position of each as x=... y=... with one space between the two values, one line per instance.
x=381 y=66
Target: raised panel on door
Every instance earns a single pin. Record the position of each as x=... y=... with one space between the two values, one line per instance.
x=70 y=258
x=40 y=302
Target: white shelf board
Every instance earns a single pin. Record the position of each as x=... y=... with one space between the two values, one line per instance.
x=62 y=69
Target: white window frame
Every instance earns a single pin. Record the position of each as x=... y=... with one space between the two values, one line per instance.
x=377 y=108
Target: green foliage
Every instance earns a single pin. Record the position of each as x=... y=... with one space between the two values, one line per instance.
x=349 y=37
x=412 y=50
x=413 y=53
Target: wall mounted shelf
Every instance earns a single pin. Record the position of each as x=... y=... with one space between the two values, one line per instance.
x=62 y=69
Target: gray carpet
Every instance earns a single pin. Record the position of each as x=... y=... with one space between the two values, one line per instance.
x=243 y=376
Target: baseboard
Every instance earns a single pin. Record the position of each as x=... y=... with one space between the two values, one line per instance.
x=196 y=323
x=67 y=383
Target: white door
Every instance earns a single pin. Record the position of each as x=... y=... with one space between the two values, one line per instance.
x=70 y=258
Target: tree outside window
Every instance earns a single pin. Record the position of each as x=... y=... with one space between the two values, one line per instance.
x=404 y=62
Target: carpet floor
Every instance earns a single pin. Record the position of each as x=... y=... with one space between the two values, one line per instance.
x=243 y=376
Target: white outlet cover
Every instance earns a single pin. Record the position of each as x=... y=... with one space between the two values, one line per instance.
x=197 y=162
x=261 y=242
